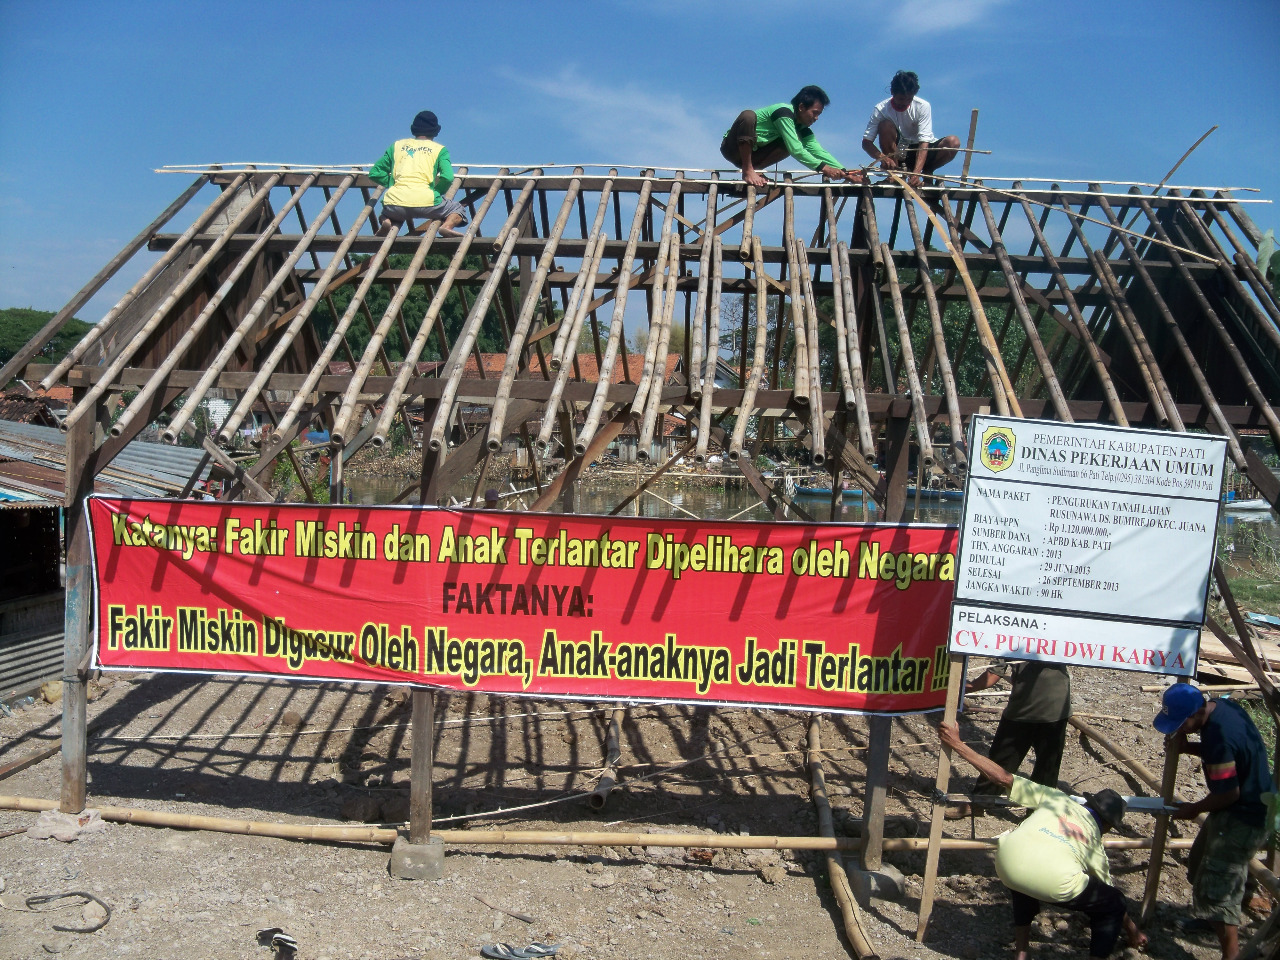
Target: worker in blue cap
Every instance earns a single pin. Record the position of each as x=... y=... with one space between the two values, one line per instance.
x=1234 y=759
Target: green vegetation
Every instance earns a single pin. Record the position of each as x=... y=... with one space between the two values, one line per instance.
x=19 y=324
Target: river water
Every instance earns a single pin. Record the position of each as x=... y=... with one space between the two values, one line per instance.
x=1254 y=535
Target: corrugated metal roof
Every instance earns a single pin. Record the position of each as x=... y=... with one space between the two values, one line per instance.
x=141 y=470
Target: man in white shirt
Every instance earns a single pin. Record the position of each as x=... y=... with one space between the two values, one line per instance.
x=900 y=132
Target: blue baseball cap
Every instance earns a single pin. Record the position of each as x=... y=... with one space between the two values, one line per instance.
x=1180 y=701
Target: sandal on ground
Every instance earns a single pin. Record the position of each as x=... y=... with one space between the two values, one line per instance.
x=501 y=951
x=535 y=950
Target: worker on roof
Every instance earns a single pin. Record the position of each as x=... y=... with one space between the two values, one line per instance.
x=761 y=138
x=900 y=132
x=1056 y=855
x=416 y=172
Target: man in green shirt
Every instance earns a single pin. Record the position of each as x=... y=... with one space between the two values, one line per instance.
x=416 y=173
x=761 y=138
x=1056 y=855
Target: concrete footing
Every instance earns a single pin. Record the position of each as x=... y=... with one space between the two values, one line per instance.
x=887 y=883
x=417 y=861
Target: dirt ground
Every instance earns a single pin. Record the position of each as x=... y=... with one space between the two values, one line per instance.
x=308 y=753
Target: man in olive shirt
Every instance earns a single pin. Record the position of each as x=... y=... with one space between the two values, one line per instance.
x=1034 y=719
x=1056 y=855
x=761 y=138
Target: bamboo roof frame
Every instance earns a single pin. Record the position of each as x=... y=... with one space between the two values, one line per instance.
x=1161 y=273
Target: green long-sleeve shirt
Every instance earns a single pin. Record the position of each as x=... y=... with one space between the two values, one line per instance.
x=417 y=173
x=778 y=122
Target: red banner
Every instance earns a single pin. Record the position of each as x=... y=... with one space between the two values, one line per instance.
x=823 y=616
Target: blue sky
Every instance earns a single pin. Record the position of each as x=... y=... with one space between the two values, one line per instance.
x=94 y=96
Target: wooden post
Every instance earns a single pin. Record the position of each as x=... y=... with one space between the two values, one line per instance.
x=955 y=682
x=1168 y=785
x=879 y=730
x=79 y=612
x=897 y=459
x=424 y=709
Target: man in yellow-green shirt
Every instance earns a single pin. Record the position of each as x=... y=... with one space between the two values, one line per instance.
x=416 y=172
x=1056 y=855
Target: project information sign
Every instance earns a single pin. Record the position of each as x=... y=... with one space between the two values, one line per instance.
x=1087 y=544
x=822 y=617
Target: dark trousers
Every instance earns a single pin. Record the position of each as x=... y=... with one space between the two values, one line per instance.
x=744 y=131
x=1014 y=738
x=1104 y=906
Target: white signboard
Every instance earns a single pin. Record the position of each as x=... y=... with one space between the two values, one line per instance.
x=1101 y=535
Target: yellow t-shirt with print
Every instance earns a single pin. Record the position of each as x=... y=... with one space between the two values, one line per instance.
x=415 y=169
x=1051 y=854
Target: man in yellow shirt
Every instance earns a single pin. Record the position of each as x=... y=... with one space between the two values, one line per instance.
x=416 y=172
x=1056 y=855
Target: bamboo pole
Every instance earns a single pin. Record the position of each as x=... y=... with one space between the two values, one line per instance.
x=1077 y=318
x=1137 y=766
x=1168 y=793
x=657 y=383
x=590 y=265
x=566 y=343
x=1024 y=315
x=939 y=341
x=342 y=422
x=713 y=349
x=837 y=303
x=530 y=298
x=37 y=343
x=1262 y=290
x=835 y=864
x=800 y=359
x=658 y=304
x=613 y=753
x=745 y=249
x=700 y=305
x=865 y=440
x=179 y=247
x=1228 y=343
x=142 y=401
x=909 y=363
x=548 y=838
x=968 y=149
x=145 y=332
x=1128 y=321
x=1014 y=196
x=284 y=343
x=594 y=412
x=1006 y=397
x=1229 y=275
x=757 y=364
x=817 y=415
x=1175 y=332
x=466 y=339
x=1103 y=276
x=955 y=689
x=430 y=320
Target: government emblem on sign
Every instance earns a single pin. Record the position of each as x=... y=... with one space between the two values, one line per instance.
x=997 y=448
